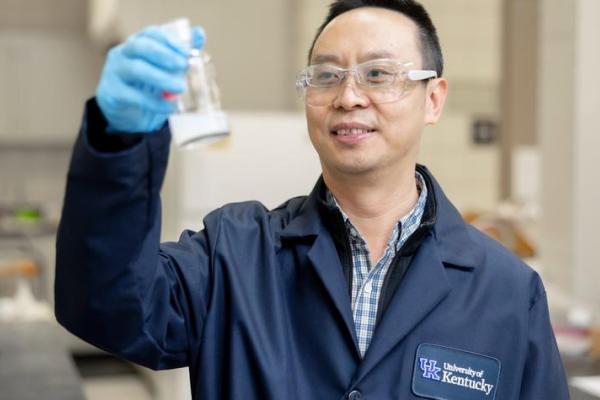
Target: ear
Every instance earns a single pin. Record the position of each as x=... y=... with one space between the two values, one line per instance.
x=437 y=89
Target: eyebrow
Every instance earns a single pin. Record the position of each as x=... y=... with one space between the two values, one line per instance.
x=332 y=58
x=324 y=58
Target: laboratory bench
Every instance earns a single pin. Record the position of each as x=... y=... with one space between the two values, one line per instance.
x=35 y=363
x=581 y=366
x=577 y=394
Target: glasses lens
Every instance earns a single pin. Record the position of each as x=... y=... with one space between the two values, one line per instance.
x=323 y=76
x=380 y=81
x=379 y=74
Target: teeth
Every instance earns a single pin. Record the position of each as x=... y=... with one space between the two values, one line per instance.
x=353 y=131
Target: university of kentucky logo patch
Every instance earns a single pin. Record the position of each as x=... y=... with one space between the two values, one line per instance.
x=445 y=373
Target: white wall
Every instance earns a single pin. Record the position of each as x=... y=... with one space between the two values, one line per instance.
x=585 y=156
x=468 y=173
x=470 y=32
x=569 y=138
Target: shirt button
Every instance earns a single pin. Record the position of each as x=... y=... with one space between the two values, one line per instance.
x=368 y=288
x=355 y=395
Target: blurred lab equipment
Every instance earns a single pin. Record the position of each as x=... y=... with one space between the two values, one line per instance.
x=199 y=115
x=22 y=306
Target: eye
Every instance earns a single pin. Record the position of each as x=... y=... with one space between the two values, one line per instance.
x=378 y=75
x=324 y=77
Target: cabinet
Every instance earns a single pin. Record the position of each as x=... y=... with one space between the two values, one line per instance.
x=45 y=78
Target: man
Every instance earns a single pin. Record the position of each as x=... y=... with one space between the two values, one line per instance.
x=371 y=287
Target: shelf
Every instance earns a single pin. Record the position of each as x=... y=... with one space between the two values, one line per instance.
x=58 y=146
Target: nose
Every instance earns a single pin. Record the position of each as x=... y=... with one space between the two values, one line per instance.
x=349 y=95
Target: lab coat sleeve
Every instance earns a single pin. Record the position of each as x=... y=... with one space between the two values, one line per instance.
x=544 y=375
x=116 y=286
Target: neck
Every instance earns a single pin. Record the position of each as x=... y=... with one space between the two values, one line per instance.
x=374 y=196
x=375 y=203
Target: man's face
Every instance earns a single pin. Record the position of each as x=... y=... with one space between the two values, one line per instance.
x=387 y=135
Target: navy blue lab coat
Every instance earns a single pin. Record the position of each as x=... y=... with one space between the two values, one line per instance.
x=256 y=303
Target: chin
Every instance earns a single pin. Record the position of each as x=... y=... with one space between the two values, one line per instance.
x=355 y=167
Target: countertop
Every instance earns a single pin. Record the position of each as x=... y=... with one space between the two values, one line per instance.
x=581 y=366
x=35 y=363
x=579 y=395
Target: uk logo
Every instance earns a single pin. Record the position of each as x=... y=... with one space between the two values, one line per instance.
x=430 y=371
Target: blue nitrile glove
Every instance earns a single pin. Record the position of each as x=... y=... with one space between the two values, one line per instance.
x=138 y=76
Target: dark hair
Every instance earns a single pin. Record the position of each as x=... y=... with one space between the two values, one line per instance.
x=428 y=40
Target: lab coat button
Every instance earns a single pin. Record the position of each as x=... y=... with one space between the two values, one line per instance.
x=355 y=395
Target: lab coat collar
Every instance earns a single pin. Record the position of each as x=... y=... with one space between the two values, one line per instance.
x=455 y=243
x=309 y=224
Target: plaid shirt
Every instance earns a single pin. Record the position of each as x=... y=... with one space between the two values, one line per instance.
x=367 y=280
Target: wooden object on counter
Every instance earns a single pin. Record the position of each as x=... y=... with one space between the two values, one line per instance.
x=504 y=231
x=25 y=268
x=595 y=338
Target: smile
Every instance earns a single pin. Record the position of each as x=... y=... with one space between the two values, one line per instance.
x=352 y=132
